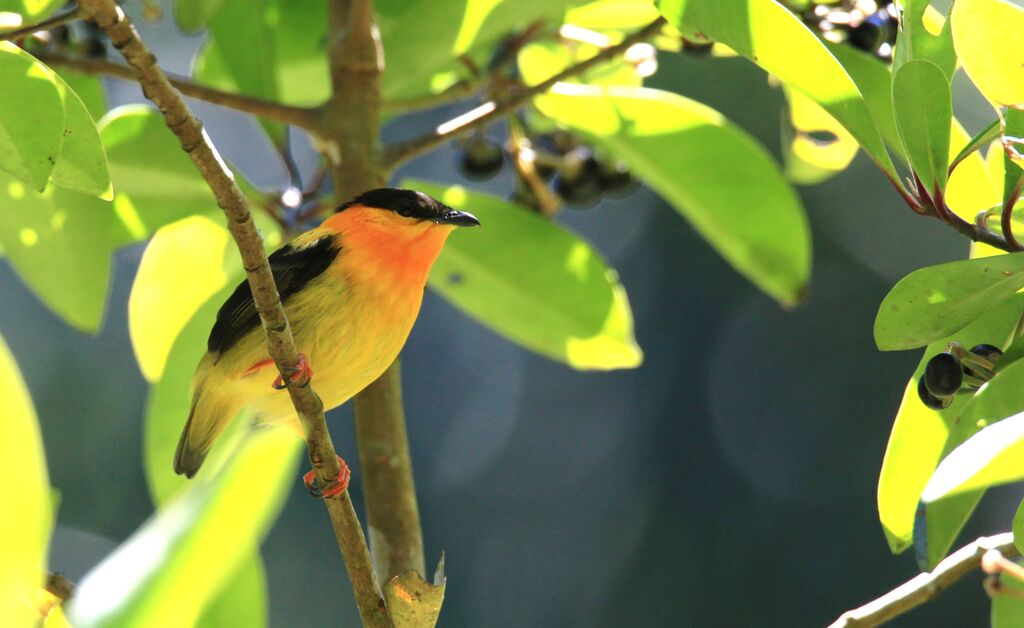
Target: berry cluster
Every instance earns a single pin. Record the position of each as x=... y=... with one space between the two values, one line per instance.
x=956 y=370
x=576 y=173
x=865 y=24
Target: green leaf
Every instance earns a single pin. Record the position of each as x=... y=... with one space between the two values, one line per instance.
x=31 y=116
x=30 y=10
x=534 y=283
x=192 y=15
x=269 y=49
x=1013 y=175
x=989 y=458
x=1008 y=604
x=82 y=164
x=924 y=34
x=418 y=65
x=924 y=111
x=874 y=80
x=60 y=243
x=976 y=143
x=814 y=146
x=25 y=532
x=936 y=301
x=921 y=437
x=612 y=15
x=710 y=171
x=985 y=33
x=185 y=264
x=539 y=61
x=242 y=600
x=89 y=89
x=156 y=182
x=412 y=601
x=774 y=38
x=1018 y=527
x=171 y=567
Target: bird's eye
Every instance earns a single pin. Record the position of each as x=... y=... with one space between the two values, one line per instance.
x=405 y=211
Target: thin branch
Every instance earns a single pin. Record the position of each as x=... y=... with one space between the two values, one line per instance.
x=352 y=124
x=45 y=25
x=280 y=343
x=492 y=110
x=60 y=586
x=304 y=117
x=926 y=586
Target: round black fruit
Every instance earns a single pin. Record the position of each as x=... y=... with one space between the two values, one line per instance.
x=481 y=159
x=943 y=375
x=874 y=31
x=930 y=400
x=989 y=352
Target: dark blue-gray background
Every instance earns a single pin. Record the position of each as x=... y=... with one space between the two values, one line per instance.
x=729 y=481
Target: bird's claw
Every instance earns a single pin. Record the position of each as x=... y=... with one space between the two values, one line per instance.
x=339 y=486
x=301 y=375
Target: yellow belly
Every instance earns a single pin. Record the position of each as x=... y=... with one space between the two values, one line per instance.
x=349 y=339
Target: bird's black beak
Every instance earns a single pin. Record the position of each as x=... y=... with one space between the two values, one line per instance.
x=457 y=218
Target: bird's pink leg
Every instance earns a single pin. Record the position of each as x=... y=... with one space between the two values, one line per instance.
x=339 y=486
x=300 y=376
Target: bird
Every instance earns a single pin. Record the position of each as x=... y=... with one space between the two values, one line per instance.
x=351 y=289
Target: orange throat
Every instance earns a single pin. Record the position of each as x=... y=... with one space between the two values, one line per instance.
x=383 y=249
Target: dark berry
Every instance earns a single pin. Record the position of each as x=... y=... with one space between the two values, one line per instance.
x=582 y=193
x=874 y=31
x=989 y=352
x=579 y=182
x=615 y=179
x=943 y=375
x=481 y=159
x=558 y=142
x=930 y=400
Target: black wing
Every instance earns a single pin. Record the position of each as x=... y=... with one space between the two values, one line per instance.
x=293 y=268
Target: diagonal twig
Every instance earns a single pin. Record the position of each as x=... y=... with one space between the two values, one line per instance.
x=280 y=343
x=45 y=25
x=492 y=110
x=304 y=117
x=926 y=586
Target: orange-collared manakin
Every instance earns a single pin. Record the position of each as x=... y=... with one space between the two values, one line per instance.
x=351 y=288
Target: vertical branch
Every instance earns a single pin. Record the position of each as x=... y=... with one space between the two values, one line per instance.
x=280 y=344
x=351 y=132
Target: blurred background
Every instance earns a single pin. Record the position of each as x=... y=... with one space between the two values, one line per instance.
x=729 y=481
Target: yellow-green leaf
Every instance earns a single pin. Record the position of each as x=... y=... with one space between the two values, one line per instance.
x=170 y=568
x=710 y=171
x=922 y=436
x=185 y=264
x=815 y=147
x=31 y=116
x=25 y=529
x=412 y=601
x=924 y=112
x=986 y=34
x=60 y=243
x=535 y=283
x=771 y=36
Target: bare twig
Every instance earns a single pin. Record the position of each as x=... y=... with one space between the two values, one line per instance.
x=351 y=123
x=60 y=586
x=280 y=343
x=492 y=110
x=926 y=586
x=45 y=25
x=299 y=116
